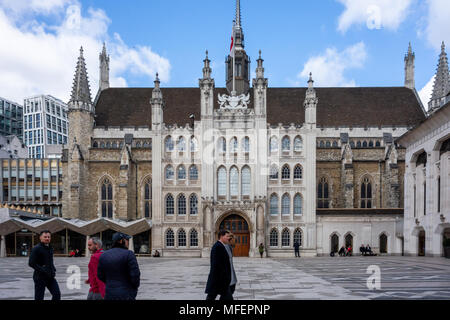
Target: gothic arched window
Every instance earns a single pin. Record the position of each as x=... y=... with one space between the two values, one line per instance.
x=193 y=236
x=366 y=193
x=222 y=145
x=273 y=238
x=298 y=204
x=169 y=144
x=194 y=144
x=246 y=144
x=298 y=172
x=246 y=181
x=323 y=200
x=181 y=205
x=193 y=173
x=222 y=182
x=170 y=205
x=148 y=199
x=107 y=199
x=274 y=204
x=285 y=172
x=298 y=236
x=285 y=204
x=181 y=144
x=364 y=144
x=274 y=172
x=181 y=238
x=193 y=204
x=285 y=238
x=298 y=144
x=273 y=145
x=286 y=144
x=377 y=143
x=170 y=238
x=234 y=145
x=234 y=181
x=181 y=174
x=169 y=172
x=358 y=144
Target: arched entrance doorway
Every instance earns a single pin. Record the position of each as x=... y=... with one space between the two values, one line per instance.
x=349 y=240
x=383 y=243
x=239 y=227
x=421 y=244
x=334 y=243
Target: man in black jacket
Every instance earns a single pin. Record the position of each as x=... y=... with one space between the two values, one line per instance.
x=41 y=260
x=219 y=278
x=119 y=270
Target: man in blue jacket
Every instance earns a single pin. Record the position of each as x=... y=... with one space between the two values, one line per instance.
x=119 y=270
x=41 y=260
x=219 y=278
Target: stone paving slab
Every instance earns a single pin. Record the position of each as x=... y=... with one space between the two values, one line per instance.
x=339 y=278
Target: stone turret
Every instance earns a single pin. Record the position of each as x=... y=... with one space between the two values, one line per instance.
x=206 y=84
x=409 y=68
x=104 y=69
x=157 y=104
x=81 y=119
x=310 y=104
x=260 y=85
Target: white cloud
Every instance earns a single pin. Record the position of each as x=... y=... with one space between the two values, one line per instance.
x=374 y=14
x=438 y=23
x=328 y=69
x=36 y=58
x=425 y=92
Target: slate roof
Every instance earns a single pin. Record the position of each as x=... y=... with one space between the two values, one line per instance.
x=337 y=107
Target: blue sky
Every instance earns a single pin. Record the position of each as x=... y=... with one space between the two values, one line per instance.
x=343 y=42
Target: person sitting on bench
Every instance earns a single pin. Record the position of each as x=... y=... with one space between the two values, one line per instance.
x=362 y=249
x=369 y=250
x=342 y=251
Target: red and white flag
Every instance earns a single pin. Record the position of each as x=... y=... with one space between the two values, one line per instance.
x=232 y=44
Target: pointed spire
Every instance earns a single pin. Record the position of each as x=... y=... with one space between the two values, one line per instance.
x=81 y=93
x=310 y=81
x=238 y=13
x=260 y=68
x=156 y=93
x=104 y=69
x=206 y=68
x=237 y=27
x=441 y=86
x=310 y=92
x=409 y=68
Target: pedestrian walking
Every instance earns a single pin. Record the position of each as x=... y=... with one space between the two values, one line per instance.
x=119 y=270
x=297 y=249
x=261 y=249
x=219 y=278
x=41 y=260
x=97 y=287
x=229 y=248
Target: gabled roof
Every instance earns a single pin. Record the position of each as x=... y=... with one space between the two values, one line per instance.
x=337 y=107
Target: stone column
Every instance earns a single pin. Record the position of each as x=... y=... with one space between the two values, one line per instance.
x=88 y=253
x=131 y=244
x=3 y=247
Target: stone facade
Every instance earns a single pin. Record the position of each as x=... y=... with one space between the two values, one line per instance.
x=209 y=164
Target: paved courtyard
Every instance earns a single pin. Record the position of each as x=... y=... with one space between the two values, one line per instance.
x=304 y=278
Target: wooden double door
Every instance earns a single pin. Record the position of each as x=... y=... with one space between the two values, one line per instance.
x=239 y=227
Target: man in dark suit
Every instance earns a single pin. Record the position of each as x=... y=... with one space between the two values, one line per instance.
x=219 y=278
x=119 y=270
x=41 y=260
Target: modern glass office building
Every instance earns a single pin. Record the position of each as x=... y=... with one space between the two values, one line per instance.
x=11 y=118
x=45 y=123
x=32 y=183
